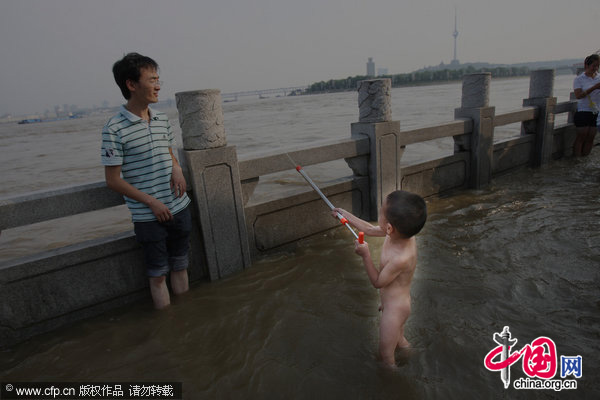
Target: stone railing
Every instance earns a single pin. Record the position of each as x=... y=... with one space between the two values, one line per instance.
x=50 y=289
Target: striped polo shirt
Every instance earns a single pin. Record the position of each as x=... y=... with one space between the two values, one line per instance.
x=142 y=151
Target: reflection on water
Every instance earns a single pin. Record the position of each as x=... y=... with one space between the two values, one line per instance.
x=522 y=253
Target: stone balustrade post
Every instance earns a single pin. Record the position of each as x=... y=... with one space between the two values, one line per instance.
x=375 y=121
x=215 y=181
x=541 y=86
x=480 y=143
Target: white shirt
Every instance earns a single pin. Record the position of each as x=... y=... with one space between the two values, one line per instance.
x=592 y=101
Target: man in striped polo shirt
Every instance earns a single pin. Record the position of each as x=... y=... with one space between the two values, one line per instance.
x=139 y=164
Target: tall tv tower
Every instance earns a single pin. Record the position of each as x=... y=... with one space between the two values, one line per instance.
x=455 y=34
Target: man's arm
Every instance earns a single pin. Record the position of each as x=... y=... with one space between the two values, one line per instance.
x=178 y=184
x=112 y=175
x=361 y=225
x=580 y=93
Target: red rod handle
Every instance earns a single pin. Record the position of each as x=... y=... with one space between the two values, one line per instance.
x=361 y=237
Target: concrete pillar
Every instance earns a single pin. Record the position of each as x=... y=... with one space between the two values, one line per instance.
x=215 y=180
x=480 y=143
x=541 y=86
x=375 y=121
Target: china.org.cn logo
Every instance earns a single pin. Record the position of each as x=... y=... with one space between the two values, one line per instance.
x=539 y=360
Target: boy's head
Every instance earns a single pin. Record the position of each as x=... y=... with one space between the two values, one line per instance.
x=406 y=212
x=129 y=68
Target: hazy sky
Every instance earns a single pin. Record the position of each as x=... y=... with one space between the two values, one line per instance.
x=58 y=52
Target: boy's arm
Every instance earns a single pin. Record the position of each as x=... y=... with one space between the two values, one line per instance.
x=388 y=273
x=363 y=251
x=112 y=174
x=361 y=225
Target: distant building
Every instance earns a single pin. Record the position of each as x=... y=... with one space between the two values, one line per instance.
x=370 y=67
x=455 y=61
x=382 y=71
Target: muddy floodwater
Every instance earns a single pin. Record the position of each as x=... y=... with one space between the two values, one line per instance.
x=302 y=324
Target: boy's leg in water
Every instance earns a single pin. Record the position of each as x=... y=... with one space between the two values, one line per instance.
x=389 y=329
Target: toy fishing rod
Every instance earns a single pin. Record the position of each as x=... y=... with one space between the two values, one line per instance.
x=343 y=221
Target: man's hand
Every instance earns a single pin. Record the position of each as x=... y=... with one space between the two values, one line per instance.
x=178 y=185
x=161 y=211
x=119 y=185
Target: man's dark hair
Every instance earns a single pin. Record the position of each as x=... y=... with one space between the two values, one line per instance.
x=407 y=212
x=589 y=60
x=129 y=68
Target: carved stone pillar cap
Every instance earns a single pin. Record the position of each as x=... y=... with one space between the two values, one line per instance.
x=201 y=119
x=476 y=90
x=375 y=100
x=541 y=83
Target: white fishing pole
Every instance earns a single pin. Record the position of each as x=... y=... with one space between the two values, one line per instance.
x=343 y=220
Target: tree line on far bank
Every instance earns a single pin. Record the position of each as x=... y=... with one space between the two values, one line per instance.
x=418 y=77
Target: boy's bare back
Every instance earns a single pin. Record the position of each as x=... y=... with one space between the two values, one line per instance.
x=397 y=266
x=397 y=263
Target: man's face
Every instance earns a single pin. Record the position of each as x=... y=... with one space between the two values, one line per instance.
x=147 y=88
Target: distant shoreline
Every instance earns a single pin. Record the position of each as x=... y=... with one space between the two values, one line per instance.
x=418 y=84
x=424 y=78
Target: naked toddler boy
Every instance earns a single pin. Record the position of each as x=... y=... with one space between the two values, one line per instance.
x=401 y=217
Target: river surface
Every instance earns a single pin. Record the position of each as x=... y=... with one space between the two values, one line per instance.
x=523 y=252
x=51 y=155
